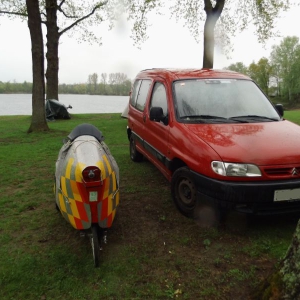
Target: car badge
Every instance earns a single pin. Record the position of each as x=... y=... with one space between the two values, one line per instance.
x=295 y=172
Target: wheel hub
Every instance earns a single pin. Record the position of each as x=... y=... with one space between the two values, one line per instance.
x=186 y=192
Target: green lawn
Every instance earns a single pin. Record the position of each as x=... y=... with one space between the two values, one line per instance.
x=153 y=251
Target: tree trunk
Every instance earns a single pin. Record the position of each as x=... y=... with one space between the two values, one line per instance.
x=284 y=284
x=212 y=16
x=38 y=120
x=290 y=269
x=209 y=43
x=52 y=50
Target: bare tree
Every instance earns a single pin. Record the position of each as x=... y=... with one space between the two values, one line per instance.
x=93 y=82
x=104 y=81
x=112 y=78
x=104 y=78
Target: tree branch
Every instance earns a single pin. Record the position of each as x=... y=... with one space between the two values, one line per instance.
x=13 y=13
x=207 y=6
x=61 y=3
x=83 y=18
x=216 y=11
x=74 y=17
x=219 y=7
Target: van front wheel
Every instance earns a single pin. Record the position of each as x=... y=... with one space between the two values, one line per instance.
x=184 y=191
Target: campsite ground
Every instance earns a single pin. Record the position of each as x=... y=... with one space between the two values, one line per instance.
x=153 y=252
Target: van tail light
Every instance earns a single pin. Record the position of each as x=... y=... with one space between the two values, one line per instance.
x=91 y=176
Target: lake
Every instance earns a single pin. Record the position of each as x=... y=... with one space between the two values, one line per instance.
x=21 y=104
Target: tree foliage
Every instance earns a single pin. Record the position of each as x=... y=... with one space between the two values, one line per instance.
x=15 y=87
x=286 y=61
x=238 y=67
x=279 y=74
x=261 y=73
x=218 y=20
x=73 y=17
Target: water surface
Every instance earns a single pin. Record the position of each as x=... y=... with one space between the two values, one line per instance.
x=21 y=104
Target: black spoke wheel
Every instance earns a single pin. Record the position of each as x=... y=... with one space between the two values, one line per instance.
x=135 y=155
x=184 y=191
x=94 y=238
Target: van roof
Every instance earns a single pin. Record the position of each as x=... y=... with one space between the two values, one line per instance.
x=175 y=74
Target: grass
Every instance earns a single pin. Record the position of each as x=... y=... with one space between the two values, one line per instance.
x=153 y=252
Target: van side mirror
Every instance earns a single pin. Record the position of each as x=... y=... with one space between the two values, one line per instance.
x=279 y=108
x=157 y=115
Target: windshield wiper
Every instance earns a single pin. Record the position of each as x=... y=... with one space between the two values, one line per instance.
x=202 y=117
x=253 y=117
x=210 y=117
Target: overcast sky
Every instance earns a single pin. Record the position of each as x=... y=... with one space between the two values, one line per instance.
x=169 y=45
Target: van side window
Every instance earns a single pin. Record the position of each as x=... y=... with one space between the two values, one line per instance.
x=159 y=97
x=139 y=93
x=135 y=90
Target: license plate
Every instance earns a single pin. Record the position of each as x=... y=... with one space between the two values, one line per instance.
x=93 y=196
x=287 y=195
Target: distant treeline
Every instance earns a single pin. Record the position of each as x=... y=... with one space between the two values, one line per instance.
x=15 y=88
x=116 y=84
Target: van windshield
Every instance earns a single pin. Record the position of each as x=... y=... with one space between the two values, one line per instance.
x=221 y=100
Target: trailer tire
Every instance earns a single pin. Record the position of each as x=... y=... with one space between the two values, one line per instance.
x=94 y=238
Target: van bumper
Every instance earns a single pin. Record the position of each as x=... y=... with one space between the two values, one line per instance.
x=247 y=197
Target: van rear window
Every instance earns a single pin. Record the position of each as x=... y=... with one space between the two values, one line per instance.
x=139 y=93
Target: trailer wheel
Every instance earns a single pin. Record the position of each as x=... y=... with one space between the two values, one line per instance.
x=94 y=238
x=135 y=155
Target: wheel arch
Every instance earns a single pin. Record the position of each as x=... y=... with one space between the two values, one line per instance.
x=176 y=163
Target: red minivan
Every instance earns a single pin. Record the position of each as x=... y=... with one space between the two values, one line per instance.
x=218 y=139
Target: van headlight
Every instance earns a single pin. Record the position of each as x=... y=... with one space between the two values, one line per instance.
x=235 y=169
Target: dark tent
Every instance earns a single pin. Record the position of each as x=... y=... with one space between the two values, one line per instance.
x=56 y=110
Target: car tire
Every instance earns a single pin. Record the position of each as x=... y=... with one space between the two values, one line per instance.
x=135 y=155
x=184 y=191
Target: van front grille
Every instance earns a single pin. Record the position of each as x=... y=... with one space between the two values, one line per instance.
x=291 y=172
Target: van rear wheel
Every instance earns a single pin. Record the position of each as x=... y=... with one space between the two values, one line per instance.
x=184 y=191
x=135 y=155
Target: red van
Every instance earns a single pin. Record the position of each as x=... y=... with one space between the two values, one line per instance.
x=217 y=138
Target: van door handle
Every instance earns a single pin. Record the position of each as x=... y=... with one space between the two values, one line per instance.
x=144 y=118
